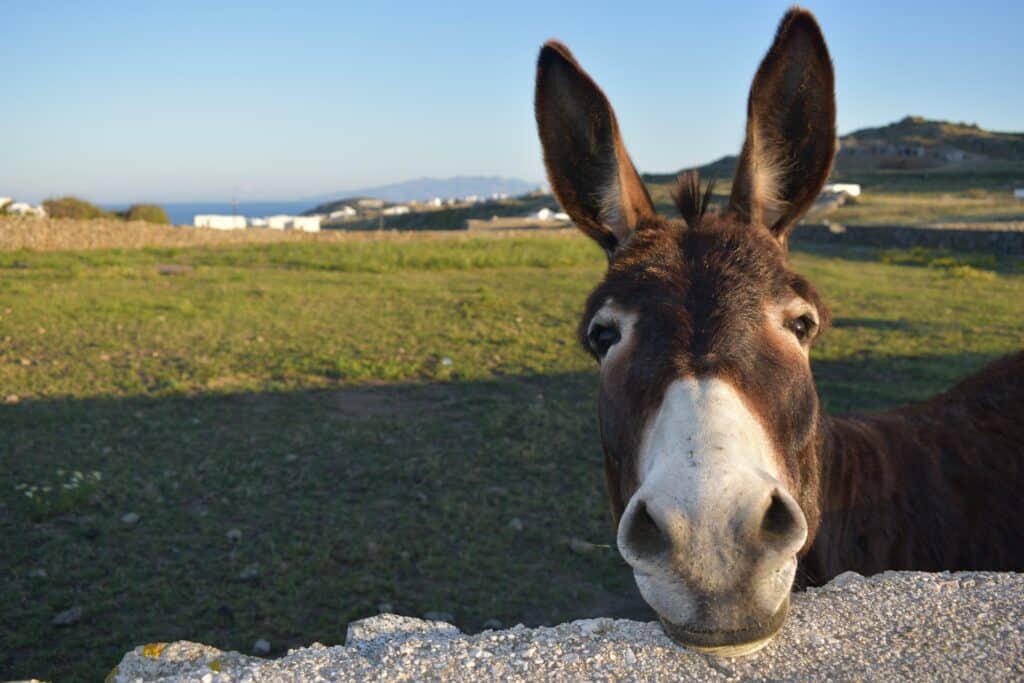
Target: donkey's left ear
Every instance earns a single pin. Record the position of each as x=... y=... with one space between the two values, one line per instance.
x=791 y=128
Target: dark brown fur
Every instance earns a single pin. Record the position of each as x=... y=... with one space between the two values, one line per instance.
x=931 y=486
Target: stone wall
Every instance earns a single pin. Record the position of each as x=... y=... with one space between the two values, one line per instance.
x=1006 y=241
x=895 y=626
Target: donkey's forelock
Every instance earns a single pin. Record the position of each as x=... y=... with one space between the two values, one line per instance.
x=689 y=199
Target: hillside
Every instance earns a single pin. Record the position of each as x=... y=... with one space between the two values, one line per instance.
x=912 y=144
x=904 y=165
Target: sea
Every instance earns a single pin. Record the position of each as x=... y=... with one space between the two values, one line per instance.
x=181 y=213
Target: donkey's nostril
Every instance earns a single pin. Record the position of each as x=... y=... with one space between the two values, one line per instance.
x=643 y=535
x=782 y=521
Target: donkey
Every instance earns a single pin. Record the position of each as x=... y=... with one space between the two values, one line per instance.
x=725 y=477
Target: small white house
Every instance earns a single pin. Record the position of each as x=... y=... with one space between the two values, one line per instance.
x=560 y=216
x=283 y=222
x=305 y=223
x=851 y=189
x=1018 y=193
x=544 y=214
x=396 y=210
x=218 y=222
x=256 y=222
x=343 y=212
x=278 y=222
x=436 y=202
x=26 y=209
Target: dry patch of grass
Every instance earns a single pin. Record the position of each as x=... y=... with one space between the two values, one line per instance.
x=66 y=234
x=965 y=209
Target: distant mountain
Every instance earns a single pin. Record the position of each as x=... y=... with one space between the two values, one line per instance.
x=422 y=189
x=913 y=143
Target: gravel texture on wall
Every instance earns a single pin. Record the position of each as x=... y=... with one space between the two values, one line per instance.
x=894 y=626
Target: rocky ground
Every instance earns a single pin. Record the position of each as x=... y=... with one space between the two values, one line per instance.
x=895 y=626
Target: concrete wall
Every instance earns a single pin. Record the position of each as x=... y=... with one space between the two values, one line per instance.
x=894 y=626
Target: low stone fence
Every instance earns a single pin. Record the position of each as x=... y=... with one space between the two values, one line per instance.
x=894 y=626
x=1007 y=240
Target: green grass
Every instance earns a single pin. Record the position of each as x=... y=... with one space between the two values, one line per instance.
x=300 y=393
x=881 y=207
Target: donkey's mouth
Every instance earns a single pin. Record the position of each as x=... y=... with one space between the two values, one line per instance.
x=728 y=643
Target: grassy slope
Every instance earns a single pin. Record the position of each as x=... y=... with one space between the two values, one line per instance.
x=891 y=199
x=247 y=395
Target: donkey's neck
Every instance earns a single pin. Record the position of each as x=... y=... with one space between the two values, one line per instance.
x=932 y=486
x=864 y=506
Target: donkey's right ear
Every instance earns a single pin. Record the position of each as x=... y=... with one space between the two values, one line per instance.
x=588 y=167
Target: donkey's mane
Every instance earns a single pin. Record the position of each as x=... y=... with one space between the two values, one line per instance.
x=691 y=202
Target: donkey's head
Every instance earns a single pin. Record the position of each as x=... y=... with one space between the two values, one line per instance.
x=708 y=411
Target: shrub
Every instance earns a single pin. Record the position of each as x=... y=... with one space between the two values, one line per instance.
x=72 y=207
x=151 y=213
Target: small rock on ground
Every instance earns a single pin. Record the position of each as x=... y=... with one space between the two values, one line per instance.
x=68 y=617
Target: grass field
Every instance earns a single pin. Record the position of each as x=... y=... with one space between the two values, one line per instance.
x=310 y=432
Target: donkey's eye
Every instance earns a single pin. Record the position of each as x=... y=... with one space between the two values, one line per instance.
x=602 y=338
x=802 y=327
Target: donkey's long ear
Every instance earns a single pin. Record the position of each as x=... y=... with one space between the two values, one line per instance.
x=791 y=128
x=588 y=167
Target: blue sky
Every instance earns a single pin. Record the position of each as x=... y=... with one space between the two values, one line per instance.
x=130 y=101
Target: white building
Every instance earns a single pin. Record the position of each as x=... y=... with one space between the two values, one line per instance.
x=26 y=209
x=544 y=214
x=278 y=222
x=396 y=210
x=256 y=222
x=344 y=212
x=218 y=222
x=283 y=222
x=560 y=216
x=305 y=223
x=436 y=202
x=1019 y=193
x=852 y=189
